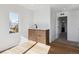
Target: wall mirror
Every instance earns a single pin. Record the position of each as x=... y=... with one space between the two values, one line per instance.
x=13 y=22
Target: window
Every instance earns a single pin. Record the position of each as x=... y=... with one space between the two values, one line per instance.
x=14 y=22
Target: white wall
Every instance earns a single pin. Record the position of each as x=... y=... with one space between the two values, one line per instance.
x=42 y=16
x=8 y=40
x=53 y=24
x=26 y=20
x=73 y=26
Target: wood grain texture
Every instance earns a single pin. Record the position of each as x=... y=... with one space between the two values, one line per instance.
x=61 y=48
x=41 y=36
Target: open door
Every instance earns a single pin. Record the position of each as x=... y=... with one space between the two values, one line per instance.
x=62 y=27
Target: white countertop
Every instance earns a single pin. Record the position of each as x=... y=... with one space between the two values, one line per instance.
x=39 y=28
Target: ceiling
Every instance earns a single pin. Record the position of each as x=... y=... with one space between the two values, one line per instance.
x=66 y=7
x=58 y=7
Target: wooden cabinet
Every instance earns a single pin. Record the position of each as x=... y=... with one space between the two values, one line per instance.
x=39 y=35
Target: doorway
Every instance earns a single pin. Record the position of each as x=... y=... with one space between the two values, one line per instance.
x=62 y=28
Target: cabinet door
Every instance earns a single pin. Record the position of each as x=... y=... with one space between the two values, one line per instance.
x=41 y=36
x=32 y=35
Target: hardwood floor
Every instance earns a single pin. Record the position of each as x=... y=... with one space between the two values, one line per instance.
x=62 y=46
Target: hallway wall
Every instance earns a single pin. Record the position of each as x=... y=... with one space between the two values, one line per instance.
x=73 y=26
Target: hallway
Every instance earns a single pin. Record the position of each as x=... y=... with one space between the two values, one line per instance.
x=63 y=36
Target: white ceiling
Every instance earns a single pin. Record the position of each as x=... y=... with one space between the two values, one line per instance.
x=58 y=7
x=66 y=7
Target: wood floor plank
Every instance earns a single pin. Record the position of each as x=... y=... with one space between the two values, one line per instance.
x=60 y=48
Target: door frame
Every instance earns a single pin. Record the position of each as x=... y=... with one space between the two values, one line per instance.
x=58 y=32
